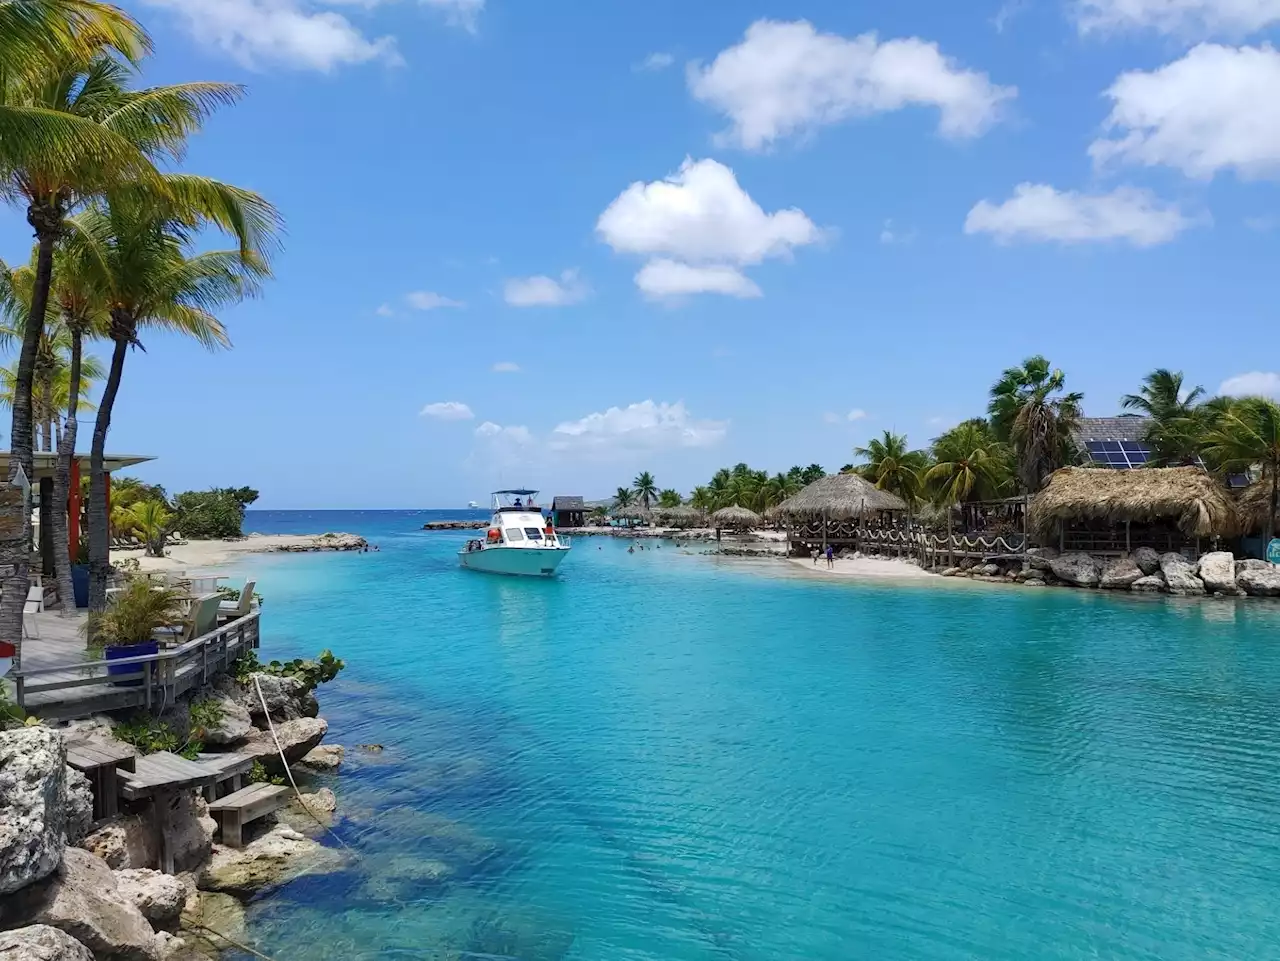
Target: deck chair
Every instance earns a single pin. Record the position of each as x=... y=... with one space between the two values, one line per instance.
x=30 y=625
x=35 y=594
x=233 y=610
x=201 y=619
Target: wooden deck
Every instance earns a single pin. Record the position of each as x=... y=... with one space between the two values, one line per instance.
x=57 y=680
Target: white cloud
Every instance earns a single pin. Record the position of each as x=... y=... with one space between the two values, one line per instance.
x=459 y=13
x=385 y=310
x=787 y=78
x=515 y=435
x=853 y=416
x=506 y=367
x=1235 y=18
x=700 y=217
x=889 y=234
x=1215 y=109
x=643 y=426
x=1255 y=384
x=1261 y=225
x=448 y=410
x=543 y=291
x=655 y=62
x=290 y=33
x=856 y=414
x=1038 y=212
x=426 y=300
x=663 y=279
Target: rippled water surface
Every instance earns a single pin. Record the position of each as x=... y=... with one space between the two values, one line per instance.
x=660 y=756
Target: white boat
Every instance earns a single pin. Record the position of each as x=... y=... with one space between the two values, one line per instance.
x=473 y=505
x=519 y=540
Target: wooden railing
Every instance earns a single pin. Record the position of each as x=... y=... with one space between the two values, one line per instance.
x=925 y=547
x=155 y=681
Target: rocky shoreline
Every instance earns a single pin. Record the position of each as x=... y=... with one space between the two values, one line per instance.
x=320 y=543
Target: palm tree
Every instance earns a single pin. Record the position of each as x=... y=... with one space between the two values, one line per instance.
x=623 y=497
x=892 y=466
x=1246 y=435
x=137 y=251
x=969 y=464
x=1029 y=410
x=1173 y=433
x=702 y=499
x=151 y=521
x=669 y=498
x=645 y=487
x=36 y=30
x=778 y=488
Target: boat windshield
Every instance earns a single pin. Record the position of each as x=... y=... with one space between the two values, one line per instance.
x=533 y=533
x=519 y=500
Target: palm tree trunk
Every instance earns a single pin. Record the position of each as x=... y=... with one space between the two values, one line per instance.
x=99 y=521
x=46 y=404
x=1275 y=499
x=15 y=513
x=62 y=484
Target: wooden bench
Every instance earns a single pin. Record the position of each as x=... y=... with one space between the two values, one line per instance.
x=100 y=762
x=235 y=811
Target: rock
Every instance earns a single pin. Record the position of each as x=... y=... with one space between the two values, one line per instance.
x=191 y=831
x=321 y=802
x=233 y=726
x=1253 y=564
x=287 y=699
x=1218 y=572
x=1260 y=581
x=1150 y=584
x=39 y=942
x=951 y=571
x=126 y=843
x=271 y=860
x=170 y=947
x=1120 y=574
x=988 y=570
x=1039 y=558
x=326 y=757
x=371 y=748
x=404 y=876
x=297 y=737
x=217 y=912
x=159 y=897
x=1081 y=570
x=82 y=900
x=327 y=542
x=1179 y=575
x=1033 y=582
x=79 y=805
x=1147 y=559
x=33 y=799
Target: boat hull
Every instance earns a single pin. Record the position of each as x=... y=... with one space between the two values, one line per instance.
x=517 y=561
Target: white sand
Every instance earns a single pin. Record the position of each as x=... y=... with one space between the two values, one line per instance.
x=198 y=555
x=861 y=568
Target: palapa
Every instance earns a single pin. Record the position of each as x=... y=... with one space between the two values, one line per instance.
x=839 y=497
x=1253 y=504
x=681 y=516
x=1190 y=497
x=735 y=517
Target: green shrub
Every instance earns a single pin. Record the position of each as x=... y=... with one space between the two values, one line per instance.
x=213 y=514
x=233 y=594
x=312 y=672
x=204 y=715
x=150 y=735
x=258 y=775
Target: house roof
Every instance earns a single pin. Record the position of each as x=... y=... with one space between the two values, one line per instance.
x=46 y=462
x=571 y=503
x=1132 y=428
x=839 y=496
x=1189 y=496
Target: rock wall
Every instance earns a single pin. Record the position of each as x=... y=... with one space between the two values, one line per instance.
x=33 y=806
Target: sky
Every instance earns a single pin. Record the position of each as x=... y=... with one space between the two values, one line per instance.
x=557 y=243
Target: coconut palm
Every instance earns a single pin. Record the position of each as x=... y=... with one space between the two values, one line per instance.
x=32 y=31
x=669 y=498
x=151 y=521
x=1030 y=410
x=969 y=464
x=646 y=488
x=892 y=466
x=778 y=488
x=624 y=497
x=1174 y=430
x=702 y=498
x=1246 y=435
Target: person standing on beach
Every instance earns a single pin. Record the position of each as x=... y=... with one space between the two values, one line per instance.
x=814 y=554
x=831 y=557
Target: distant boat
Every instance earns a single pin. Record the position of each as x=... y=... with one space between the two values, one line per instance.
x=519 y=540
x=473 y=505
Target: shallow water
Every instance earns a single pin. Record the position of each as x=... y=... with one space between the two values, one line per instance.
x=661 y=756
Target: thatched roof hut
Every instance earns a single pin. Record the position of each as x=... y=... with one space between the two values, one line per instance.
x=735 y=518
x=1253 y=505
x=681 y=516
x=1188 y=497
x=839 y=497
x=632 y=512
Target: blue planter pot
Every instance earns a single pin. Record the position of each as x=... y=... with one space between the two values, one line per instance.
x=131 y=650
x=80 y=584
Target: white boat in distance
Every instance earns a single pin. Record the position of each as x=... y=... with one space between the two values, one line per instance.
x=473 y=505
x=518 y=541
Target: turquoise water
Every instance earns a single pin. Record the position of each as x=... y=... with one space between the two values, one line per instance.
x=666 y=756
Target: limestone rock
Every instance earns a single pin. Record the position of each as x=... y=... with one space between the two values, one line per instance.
x=1033 y=582
x=988 y=570
x=125 y=843
x=218 y=912
x=287 y=699
x=1120 y=574
x=311 y=814
x=404 y=877
x=191 y=831
x=33 y=799
x=159 y=897
x=1147 y=559
x=234 y=725
x=170 y=947
x=82 y=899
x=1179 y=575
x=1082 y=570
x=1150 y=584
x=326 y=757
x=1253 y=564
x=1039 y=558
x=39 y=942
x=1260 y=581
x=1218 y=572
x=271 y=860
x=297 y=737
x=79 y=805
x=321 y=802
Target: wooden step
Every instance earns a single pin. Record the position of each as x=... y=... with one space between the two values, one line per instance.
x=236 y=810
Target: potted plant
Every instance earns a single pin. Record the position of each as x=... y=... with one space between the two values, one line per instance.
x=80 y=574
x=127 y=627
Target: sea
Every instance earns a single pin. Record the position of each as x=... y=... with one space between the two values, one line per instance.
x=672 y=756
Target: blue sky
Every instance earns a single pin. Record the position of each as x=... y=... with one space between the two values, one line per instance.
x=704 y=233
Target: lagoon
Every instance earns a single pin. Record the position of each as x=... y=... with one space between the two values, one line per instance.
x=668 y=756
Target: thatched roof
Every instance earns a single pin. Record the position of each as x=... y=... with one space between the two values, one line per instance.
x=839 y=497
x=735 y=516
x=1253 y=504
x=682 y=514
x=1189 y=496
x=635 y=512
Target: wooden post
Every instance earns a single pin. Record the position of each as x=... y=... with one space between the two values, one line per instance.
x=1062 y=537
x=1126 y=538
x=824 y=532
x=73 y=511
x=160 y=820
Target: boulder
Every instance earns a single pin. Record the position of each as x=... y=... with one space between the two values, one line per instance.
x=287 y=699
x=1120 y=574
x=79 y=805
x=159 y=897
x=234 y=724
x=1033 y=582
x=213 y=912
x=39 y=942
x=1180 y=575
x=82 y=900
x=1218 y=572
x=1147 y=559
x=297 y=738
x=322 y=801
x=1039 y=558
x=1151 y=584
x=988 y=570
x=1260 y=581
x=125 y=843
x=273 y=859
x=1081 y=570
x=403 y=877
x=1253 y=564
x=33 y=799
x=170 y=947
x=311 y=814
x=326 y=757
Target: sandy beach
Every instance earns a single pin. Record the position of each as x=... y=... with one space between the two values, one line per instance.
x=194 y=555
x=861 y=568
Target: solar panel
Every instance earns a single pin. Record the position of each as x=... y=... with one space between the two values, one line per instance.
x=1118 y=454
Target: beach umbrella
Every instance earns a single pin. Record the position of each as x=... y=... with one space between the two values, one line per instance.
x=735 y=518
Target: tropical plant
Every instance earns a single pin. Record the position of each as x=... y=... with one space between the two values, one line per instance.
x=1245 y=435
x=151 y=522
x=701 y=498
x=1030 y=410
x=1176 y=430
x=892 y=466
x=600 y=512
x=623 y=497
x=33 y=32
x=134 y=613
x=969 y=464
x=213 y=514
x=311 y=671
x=669 y=498
x=646 y=488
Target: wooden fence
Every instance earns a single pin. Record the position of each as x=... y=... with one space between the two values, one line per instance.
x=929 y=549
